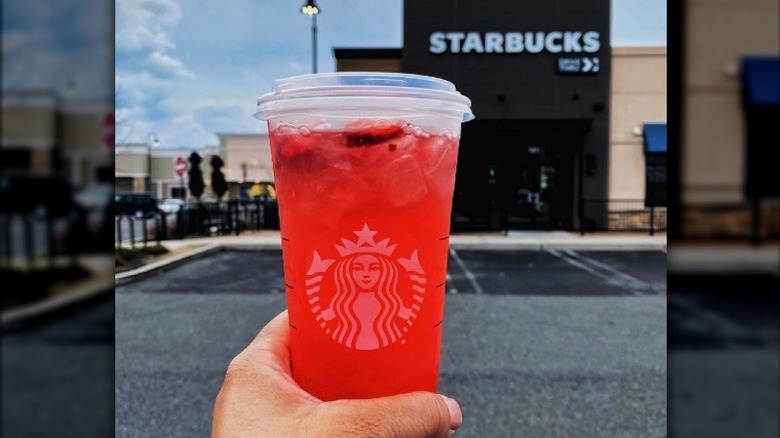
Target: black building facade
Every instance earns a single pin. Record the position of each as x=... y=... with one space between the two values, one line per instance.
x=538 y=75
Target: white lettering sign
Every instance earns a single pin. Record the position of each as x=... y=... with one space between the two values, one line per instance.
x=514 y=42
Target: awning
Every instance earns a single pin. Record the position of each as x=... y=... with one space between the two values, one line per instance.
x=654 y=137
x=761 y=80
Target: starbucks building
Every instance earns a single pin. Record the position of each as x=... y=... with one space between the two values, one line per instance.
x=538 y=75
x=570 y=133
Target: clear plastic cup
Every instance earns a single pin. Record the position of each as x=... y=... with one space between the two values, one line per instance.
x=364 y=165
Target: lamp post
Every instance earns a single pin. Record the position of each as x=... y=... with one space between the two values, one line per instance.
x=154 y=142
x=311 y=9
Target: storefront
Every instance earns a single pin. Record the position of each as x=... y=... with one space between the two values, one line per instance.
x=43 y=134
x=559 y=136
x=538 y=75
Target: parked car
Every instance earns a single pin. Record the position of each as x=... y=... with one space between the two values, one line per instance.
x=95 y=201
x=171 y=205
x=138 y=204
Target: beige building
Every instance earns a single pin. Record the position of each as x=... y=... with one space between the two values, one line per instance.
x=43 y=134
x=134 y=161
x=717 y=34
x=247 y=159
x=638 y=97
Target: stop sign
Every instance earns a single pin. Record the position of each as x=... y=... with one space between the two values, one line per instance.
x=180 y=166
x=108 y=128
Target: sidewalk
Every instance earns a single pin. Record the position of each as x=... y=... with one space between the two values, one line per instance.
x=723 y=258
x=101 y=280
x=513 y=240
x=684 y=258
x=181 y=250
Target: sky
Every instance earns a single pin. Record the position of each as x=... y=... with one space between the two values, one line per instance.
x=186 y=70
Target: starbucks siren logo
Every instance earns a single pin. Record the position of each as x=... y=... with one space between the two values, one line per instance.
x=365 y=310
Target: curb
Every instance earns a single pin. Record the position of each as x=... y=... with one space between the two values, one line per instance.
x=545 y=246
x=583 y=246
x=84 y=291
x=208 y=249
x=171 y=262
x=165 y=264
x=95 y=287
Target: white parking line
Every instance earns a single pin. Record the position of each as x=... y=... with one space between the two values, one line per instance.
x=709 y=321
x=579 y=264
x=469 y=275
x=624 y=279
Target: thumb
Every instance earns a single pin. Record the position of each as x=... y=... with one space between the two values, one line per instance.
x=412 y=415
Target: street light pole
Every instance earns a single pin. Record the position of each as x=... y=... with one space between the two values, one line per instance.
x=311 y=9
x=154 y=142
x=314 y=43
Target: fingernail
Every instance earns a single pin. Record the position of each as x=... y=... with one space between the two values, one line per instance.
x=456 y=415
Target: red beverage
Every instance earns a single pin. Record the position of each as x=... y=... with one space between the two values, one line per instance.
x=365 y=208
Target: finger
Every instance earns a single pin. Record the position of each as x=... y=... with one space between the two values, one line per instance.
x=265 y=362
x=271 y=344
x=418 y=414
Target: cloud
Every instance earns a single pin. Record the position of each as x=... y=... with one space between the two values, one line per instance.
x=201 y=74
x=141 y=24
x=46 y=44
x=168 y=66
x=151 y=77
x=13 y=43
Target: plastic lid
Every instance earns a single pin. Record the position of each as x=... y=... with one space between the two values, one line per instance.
x=411 y=91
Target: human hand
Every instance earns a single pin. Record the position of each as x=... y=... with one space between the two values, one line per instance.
x=259 y=398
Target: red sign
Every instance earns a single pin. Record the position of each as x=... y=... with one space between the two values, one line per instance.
x=180 y=166
x=109 y=127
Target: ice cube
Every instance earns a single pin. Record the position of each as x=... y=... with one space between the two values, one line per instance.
x=403 y=181
x=438 y=153
x=438 y=159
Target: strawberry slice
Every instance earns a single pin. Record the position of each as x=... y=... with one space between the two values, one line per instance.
x=362 y=133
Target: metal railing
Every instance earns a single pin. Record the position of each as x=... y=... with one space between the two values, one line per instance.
x=127 y=229
x=738 y=221
x=621 y=215
x=197 y=220
x=38 y=236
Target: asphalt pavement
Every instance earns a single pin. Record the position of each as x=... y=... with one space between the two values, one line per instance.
x=58 y=372
x=536 y=343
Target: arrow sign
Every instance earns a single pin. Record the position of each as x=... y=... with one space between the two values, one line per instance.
x=180 y=166
x=577 y=66
x=590 y=65
x=587 y=65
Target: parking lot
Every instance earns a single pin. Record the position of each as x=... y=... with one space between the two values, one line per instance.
x=536 y=343
x=533 y=361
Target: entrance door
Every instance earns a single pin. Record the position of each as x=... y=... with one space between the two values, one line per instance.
x=515 y=175
x=540 y=197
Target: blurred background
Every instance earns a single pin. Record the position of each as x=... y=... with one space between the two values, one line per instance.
x=724 y=257
x=57 y=176
x=56 y=219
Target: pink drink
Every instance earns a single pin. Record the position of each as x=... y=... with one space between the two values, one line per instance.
x=365 y=217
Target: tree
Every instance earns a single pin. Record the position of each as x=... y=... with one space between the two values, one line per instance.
x=196 y=176
x=218 y=183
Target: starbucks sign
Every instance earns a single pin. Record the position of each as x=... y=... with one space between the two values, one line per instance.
x=514 y=42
